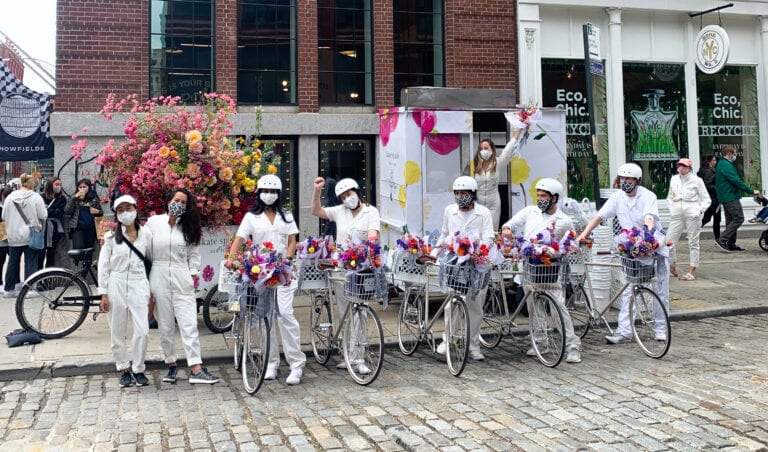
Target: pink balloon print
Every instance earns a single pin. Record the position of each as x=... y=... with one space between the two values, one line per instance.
x=426 y=120
x=443 y=143
x=387 y=125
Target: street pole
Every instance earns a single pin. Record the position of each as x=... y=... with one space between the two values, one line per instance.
x=591 y=63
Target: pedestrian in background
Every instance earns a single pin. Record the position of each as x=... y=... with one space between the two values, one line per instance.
x=82 y=208
x=729 y=189
x=175 y=254
x=707 y=174
x=55 y=202
x=4 y=236
x=687 y=200
x=25 y=202
x=124 y=290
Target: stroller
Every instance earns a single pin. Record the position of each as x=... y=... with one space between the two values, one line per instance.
x=762 y=217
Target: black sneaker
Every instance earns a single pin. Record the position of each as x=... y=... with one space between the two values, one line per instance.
x=126 y=379
x=723 y=246
x=141 y=379
x=202 y=377
x=170 y=377
x=736 y=249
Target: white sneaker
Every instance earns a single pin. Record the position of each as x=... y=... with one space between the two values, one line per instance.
x=476 y=355
x=32 y=294
x=532 y=351
x=441 y=349
x=363 y=369
x=661 y=337
x=573 y=356
x=618 y=339
x=271 y=373
x=342 y=364
x=295 y=377
x=11 y=294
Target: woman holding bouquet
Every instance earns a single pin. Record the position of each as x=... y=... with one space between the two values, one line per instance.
x=635 y=207
x=268 y=221
x=488 y=164
x=175 y=263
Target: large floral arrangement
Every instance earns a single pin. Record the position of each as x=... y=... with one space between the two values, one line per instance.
x=361 y=256
x=638 y=243
x=261 y=265
x=545 y=248
x=168 y=145
x=316 y=248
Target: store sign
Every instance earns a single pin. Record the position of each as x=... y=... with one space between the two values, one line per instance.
x=711 y=48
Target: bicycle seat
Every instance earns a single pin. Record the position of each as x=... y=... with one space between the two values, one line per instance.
x=80 y=254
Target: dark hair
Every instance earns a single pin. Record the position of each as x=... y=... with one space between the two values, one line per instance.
x=48 y=190
x=190 y=221
x=91 y=193
x=5 y=192
x=259 y=206
x=708 y=158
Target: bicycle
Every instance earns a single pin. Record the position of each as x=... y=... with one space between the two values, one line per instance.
x=359 y=333
x=414 y=323
x=216 y=313
x=54 y=302
x=546 y=326
x=250 y=332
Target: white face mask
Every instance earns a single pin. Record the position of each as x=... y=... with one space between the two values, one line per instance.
x=486 y=154
x=351 y=202
x=268 y=198
x=127 y=218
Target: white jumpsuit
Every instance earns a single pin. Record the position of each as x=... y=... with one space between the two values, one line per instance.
x=174 y=263
x=258 y=229
x=123 y=279
x=631 y=212
x=531 y=220
x=687 y=199
x=475 y=224
x=488 y=183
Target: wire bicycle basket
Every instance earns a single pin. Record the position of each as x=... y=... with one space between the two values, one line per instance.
x=637 y=272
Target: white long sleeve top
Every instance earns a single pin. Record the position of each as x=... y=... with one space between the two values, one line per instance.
x=687 y=195
x=174 y=263
x=117 y=262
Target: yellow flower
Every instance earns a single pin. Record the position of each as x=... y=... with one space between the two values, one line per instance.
x=257 y=154
x=255 y=269
x=239 y=176
x=256 y=143
x=402 y=196
x=225 y=174
x=250 y=186
x=193 y=136
x=412 y=172
x=246 y=159
x=520 y=170
x=272 y=169
x=163 y=152
x=240 y=140
x=256 y=168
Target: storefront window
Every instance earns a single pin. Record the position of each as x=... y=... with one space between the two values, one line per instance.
x=728 y=115
x=654 y=111
x=418 y=44
x=285 y=147
x=564 y=86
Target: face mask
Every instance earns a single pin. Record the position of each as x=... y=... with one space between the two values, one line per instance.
x=352 y=202
x=57 y=190
x=544 y=204
x=627 y=187
x=268 y=198
x=177 y=209
x=485 y=154
x=732 y=158
x=463 y=201
x=126 y=218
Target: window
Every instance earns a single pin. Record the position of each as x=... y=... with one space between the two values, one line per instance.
x=345 y=60
x=181 y=40
x=266 y=51
x=418 y=44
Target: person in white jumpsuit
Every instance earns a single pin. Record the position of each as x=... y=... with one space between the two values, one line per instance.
x=635 y=206
x=487 y=166
x=269 y=222
x=175 y=262
x=473 y=221
x=687 y=199
x=124 y=291
x=533 y=219
x=355 y=221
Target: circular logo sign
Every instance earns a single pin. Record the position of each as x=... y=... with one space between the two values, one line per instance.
x=711 y=49
x=19 y=115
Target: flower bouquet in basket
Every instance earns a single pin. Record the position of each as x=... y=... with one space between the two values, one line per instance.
x=415 y=250
x=637 y=250
x=544 y=253
x=315 y=255
x=465 y=267
x=364 y=264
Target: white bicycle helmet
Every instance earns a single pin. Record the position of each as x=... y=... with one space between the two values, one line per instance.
x=465 y=183
x=630 y=170
x=551 y=186
x=344 y=185
x=269 y=182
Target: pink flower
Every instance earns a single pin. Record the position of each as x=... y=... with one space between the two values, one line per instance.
x=387 y=125
x=443 y=143
x=426 y=120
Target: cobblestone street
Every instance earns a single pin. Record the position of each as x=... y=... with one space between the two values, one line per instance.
x=710 y=391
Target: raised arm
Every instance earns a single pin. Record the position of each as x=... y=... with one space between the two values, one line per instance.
x=317 y=208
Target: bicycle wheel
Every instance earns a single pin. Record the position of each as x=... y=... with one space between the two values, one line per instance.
x=237 y=338
x=53 y=303
x=409 y=322
x=363 y=344
x=255 y=352
x=216 y=313
x=493 y=315
x=648 y=313
x=547 y=329
x=579 y=309
x=457 y=335
x=321 y=328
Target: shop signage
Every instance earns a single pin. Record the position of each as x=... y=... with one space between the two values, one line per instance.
x=711 y=49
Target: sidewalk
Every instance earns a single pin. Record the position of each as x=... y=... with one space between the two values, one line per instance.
x=727 y=284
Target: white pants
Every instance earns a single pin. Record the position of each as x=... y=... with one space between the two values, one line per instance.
x=128 y=297
x=691 y=224
x=182 y=307
x=660 y=286
x=537 y=313
x=289 y=331
x=492 y=201
x=475 y=309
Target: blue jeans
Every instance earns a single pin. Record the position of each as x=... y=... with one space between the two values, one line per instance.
x=12 y=273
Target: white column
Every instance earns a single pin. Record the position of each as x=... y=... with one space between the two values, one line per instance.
x=691 y=97
x=615 y=93
x=762 y=107
x=529 y=55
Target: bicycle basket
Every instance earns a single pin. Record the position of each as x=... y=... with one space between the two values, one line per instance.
x=457 y=276
x=636 y=271
x=360 y=285
x=227 y=279
x=407 y=270
x=261 y=302
x=536 y=273
x=310 y=276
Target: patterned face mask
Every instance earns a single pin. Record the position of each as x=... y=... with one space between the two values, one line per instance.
x=177 y=209
x=463 y=201
x=627 y=187
x=544 y=204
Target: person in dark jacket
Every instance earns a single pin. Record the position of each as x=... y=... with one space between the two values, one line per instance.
x=55 y=201
x=729 y=189
x=707 y=174
x=83 y=207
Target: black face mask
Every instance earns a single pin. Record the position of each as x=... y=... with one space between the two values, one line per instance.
x=544 y=205
x=463 y=201
x=627 y=187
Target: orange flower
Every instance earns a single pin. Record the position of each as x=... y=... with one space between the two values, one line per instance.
x=272 y=169
x=163 y=152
